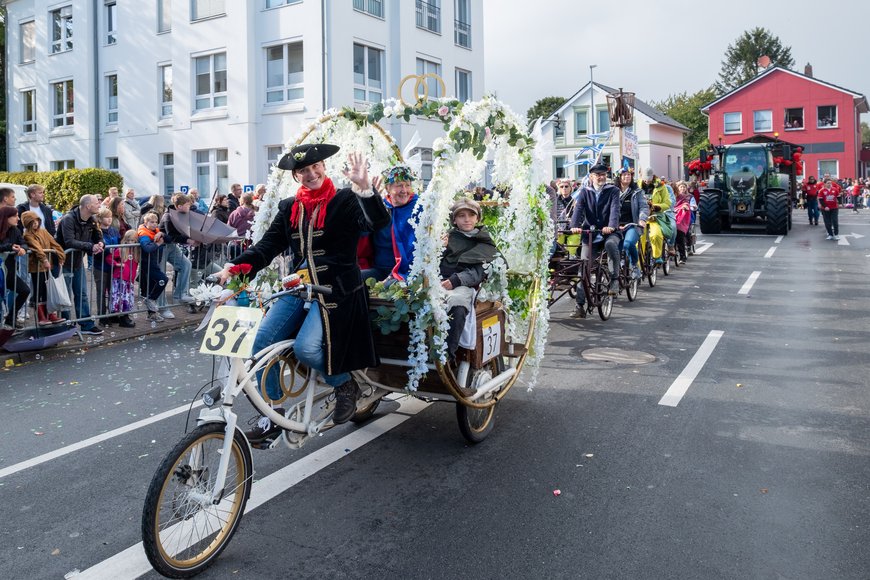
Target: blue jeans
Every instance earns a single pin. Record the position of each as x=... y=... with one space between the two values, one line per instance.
x=813 y=209
x=286 y=317
x=632 y=235
x=181 y=265
x=77 y=284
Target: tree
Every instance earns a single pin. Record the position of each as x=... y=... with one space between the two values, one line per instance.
x=741 y=58
x=686 y=109
x=865 y=132
x=544 y=108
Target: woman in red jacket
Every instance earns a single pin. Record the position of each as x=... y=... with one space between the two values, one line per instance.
x=830 y=209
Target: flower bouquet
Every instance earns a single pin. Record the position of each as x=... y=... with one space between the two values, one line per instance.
x=238 y=283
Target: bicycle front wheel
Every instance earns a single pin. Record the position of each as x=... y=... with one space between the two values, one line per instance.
x=183 y=532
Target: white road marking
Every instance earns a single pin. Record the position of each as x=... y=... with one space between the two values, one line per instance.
x=132 y=562
x=94 y=440
x=703 y=247
x=682 y=383
x=770 y=252
x=749 y=282
x=843 y=241
x=777 y=240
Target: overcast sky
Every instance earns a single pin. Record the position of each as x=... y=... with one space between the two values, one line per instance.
x=660 y=47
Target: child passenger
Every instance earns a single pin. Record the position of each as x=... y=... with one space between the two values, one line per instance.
x=46 y=255
x=469 y=247
x=125 y=265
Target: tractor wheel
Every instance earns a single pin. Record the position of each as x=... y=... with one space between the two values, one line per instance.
x=708 y=211
x=776 y=208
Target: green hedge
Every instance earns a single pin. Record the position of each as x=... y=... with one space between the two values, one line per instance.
x=63 y=189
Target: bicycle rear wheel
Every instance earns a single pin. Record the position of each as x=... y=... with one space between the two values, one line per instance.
x=183 y=532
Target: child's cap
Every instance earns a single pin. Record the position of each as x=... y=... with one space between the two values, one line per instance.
x=465 y=203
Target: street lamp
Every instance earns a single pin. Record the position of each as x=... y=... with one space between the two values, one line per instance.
x=592 y=96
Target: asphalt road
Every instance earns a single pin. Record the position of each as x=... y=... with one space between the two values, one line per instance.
x=759 y=470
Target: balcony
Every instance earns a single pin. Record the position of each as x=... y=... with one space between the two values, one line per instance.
x=429 y=16
x=462 y=33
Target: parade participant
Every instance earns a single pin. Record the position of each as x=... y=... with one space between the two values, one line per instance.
x=321 y=226
x=152 y=282
x=393 y=246
x=633 y=208
x=857 y=196
x=468 y=248
x=78 y=231
x=683 y=207
x=45 y=253
x=811 y=191
x=598 y=206
x=659 y=200
x=12 y=242
x=830 y=209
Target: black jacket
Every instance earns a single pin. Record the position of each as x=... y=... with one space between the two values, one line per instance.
x=330 y=258
x=170 y=232
x=78 y=234
x=13 y=237
x=46 y=211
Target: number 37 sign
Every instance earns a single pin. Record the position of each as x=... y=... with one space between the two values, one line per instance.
x=231 y=331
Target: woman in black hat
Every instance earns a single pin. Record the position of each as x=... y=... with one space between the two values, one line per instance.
x=321 y=227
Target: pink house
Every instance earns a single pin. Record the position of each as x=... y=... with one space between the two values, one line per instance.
x=821 y=117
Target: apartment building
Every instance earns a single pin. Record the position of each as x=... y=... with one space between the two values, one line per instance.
x=204 y=93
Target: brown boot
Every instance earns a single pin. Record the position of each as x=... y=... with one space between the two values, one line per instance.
x=41 y=316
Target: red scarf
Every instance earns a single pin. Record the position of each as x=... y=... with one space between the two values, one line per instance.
x=310 y=200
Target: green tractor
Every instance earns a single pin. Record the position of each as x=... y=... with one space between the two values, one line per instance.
x=746 y=187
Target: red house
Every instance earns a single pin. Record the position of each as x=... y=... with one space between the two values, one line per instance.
x=822 y=118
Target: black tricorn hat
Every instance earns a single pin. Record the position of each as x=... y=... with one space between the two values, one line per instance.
x=306 y=154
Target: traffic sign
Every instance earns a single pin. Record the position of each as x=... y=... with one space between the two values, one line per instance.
x=248 y=189
x=184 y=188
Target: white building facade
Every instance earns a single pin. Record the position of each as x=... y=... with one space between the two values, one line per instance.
x=659 y=137
x=205 y=93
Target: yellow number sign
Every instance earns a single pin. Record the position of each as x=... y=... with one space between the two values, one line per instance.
x=231 y=331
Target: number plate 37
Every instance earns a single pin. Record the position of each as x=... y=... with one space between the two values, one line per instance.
x=231 y=331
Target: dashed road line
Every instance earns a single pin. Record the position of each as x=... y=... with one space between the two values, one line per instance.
x=749 y=282
x=778 y=239
x=682 y=383
x=770 y=252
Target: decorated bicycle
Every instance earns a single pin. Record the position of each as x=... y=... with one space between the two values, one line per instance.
x=198 y=495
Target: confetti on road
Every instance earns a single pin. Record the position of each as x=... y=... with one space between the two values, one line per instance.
x=557 y=492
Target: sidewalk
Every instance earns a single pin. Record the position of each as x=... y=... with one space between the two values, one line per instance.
x=112 y=334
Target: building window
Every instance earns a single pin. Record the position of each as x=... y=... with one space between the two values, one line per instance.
x=463 y=85
x=64 y=104
x=63 y=164
x=794 y=119
x=733 y=123
x=368 y=74
x=28 y=100
x=581 y=171
x=166 y=90
x=462 y=24
x=112 y=99
x=167 y=173
x=273 y=154
x=603 y=121
x=827 y=116
x=211 y=81
x=559 y=166
x=829 y=167
x=112 y=164
x=200 y=9
x=429 y=15
x=111 y=24
x=277 y=3
x=762 y=121
x=29 y=167
x=284 y=73
x=164 y=16
x=61 y=29
x=28 y=41
x=426 y=164
x=373 y=7
x=581 y=123
x=559 y=130
x=428 y=67
x=212 y=170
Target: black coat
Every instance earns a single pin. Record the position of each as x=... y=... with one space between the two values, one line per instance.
x=79 y=235
x=331 y=261
x=46 y=211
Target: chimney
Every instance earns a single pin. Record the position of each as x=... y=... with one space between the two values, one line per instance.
x=808 y=70
x=763 y=62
